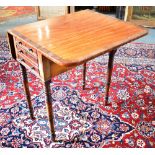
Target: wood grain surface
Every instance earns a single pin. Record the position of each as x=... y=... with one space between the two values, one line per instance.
x=75 y=38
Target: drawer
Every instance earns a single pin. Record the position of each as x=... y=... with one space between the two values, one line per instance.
x=29 y=65
x=25 y=46
x=28 y=55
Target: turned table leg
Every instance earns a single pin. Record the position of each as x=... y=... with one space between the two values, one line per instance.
x=27 y=92
x=49 y=108
x=110 y=67
x=84 y=76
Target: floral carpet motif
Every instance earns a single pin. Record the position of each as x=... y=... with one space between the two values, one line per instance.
x=81 y=119
x=4 y=50
x=10 y=12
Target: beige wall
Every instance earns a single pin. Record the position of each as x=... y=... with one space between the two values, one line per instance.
x=49 y=11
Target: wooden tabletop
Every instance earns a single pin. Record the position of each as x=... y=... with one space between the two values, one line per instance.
x=75 y=38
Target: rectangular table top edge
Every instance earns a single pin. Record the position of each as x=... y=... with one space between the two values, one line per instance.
x=68 y=63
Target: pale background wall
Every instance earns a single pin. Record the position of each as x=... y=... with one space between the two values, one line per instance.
x=49 y=11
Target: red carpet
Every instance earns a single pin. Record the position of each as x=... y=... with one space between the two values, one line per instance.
x=11 y=12
x=80 y=117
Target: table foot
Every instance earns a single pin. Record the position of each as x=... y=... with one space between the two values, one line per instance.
x=109 y=73
x=27 y=92
x=53 y=136
x=32 y=116
x=106 y=101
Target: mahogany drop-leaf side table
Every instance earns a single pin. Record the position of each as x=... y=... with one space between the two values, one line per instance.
x=50 y=47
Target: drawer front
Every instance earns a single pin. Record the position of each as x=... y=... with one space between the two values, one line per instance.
x=28 y=64
x=28 y=55
x=31 y=51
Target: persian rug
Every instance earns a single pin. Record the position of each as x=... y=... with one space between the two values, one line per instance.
x=81 y=119
x=11 y=12
x=4 y=50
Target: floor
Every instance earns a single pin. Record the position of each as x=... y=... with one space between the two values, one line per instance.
x=81 y=119
x=148 y=39
x=4 y=26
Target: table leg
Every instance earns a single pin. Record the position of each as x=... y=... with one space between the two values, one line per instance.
x=27 y=92
x=110 y=67
x=84 y=76
x=49 y=108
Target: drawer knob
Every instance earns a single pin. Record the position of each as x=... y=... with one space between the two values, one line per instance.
x=22 y=60
x=21 y=51
x=31 y=50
